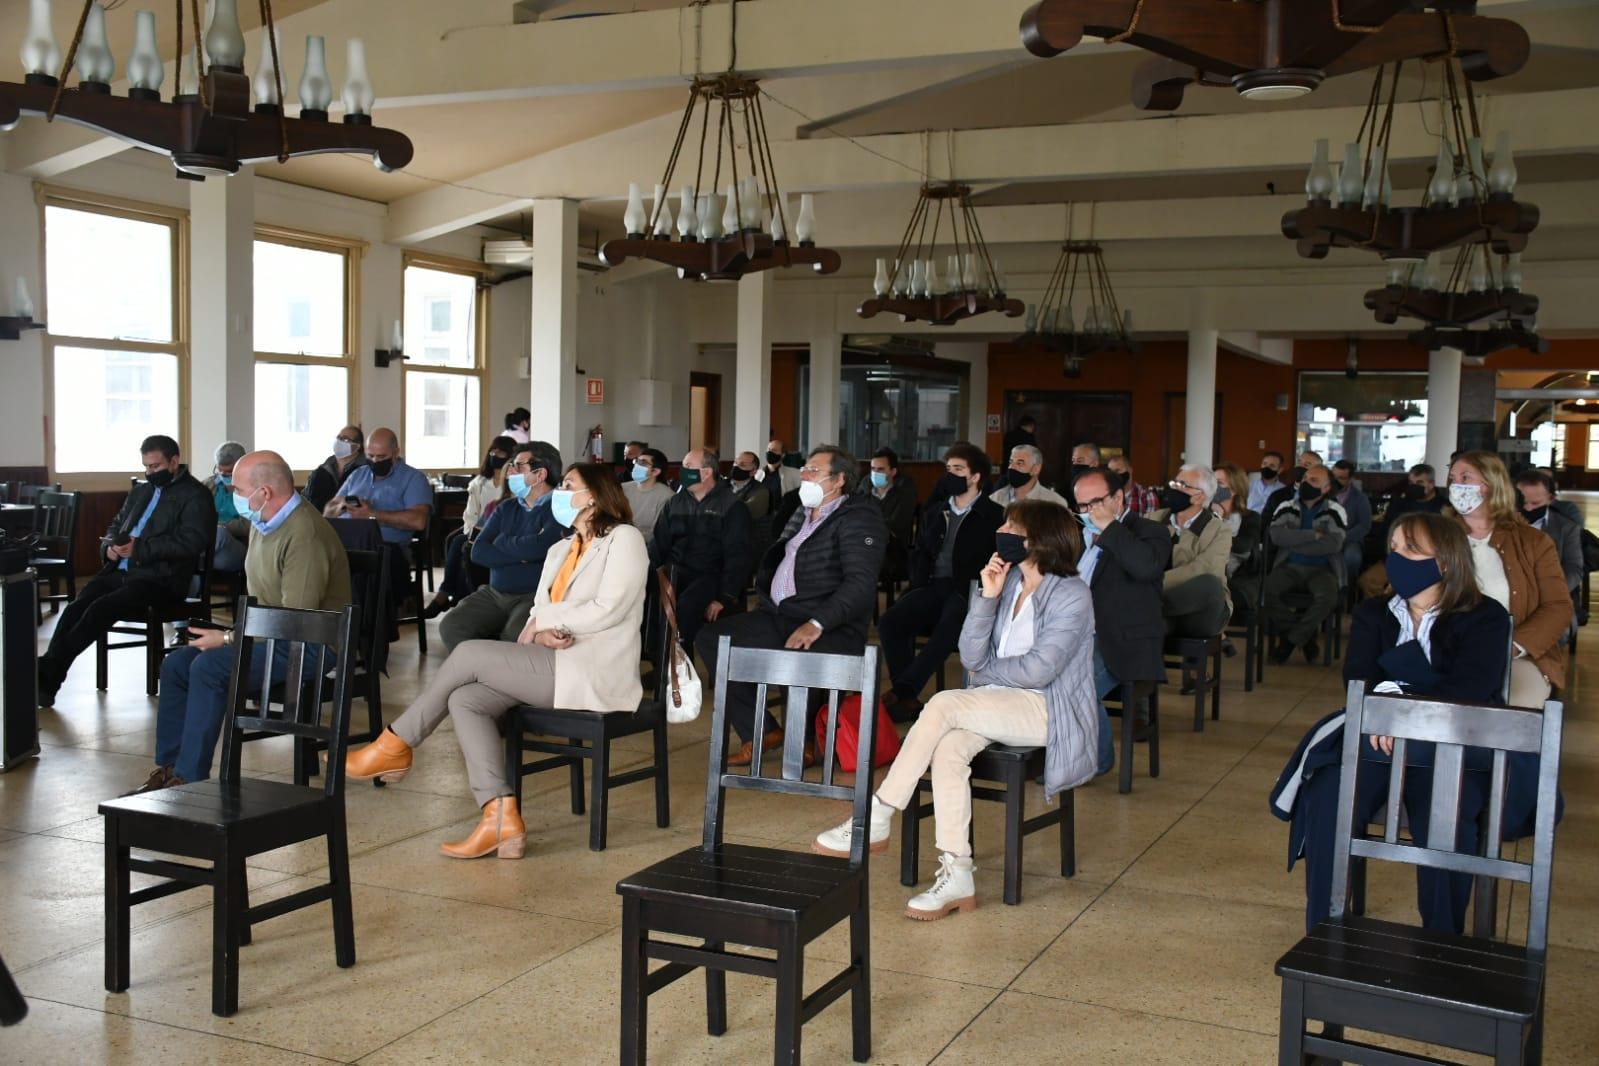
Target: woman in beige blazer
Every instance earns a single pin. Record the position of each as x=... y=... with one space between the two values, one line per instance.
x=579 y=650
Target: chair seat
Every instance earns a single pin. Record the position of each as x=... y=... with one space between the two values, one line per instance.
x=768 y=883
x=618 y=723
x=219 y=805
x=990 y=763
x=1418 y=967
x=46 y=561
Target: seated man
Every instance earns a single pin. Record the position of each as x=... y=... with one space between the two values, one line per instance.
x=1357 y=508
x=398 y=497
x=513 y=545
x=1085 y=457
x=787 y=478
x=1537 y=499
x=749 y=490
x=1140 y=500
x=233 y=529
x=646 y=490
x=325 y=480
x=953 y=545
x=1307 y=534
x=1021 y=479
x=1265 y=481
x=705 y=536
x=1290 y=485
x=154 y=545
x=1124 y=562
x=816 y=587
x=894 y=492
x=1418 y=492
x=295 y=560
x=1194 y=591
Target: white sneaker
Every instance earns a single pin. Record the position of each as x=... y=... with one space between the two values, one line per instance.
x=836 y=841
x=953 y=890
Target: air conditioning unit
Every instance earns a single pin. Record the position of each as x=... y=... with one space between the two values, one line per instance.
x=520 y=254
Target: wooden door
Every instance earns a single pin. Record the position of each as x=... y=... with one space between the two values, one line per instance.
x=1067 y=417
x=705 y=411
x=1177 y=436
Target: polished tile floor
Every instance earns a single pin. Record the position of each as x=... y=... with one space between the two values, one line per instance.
x=1160 y=950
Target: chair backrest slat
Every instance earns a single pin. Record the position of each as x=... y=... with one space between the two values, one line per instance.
x=1496 y=806
x=1396 y=788
x=1448 y=763
x=802 y=674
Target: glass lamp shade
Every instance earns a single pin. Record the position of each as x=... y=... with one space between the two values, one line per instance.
x=778 y=229
x=40 y=53
x=1031 y=325
x=709 y=210
x=918 y=278
x=1471 y=181
x=1349 y=183
x=880 y=281
x=316 y=87
x=749 y=204
x=396 y=338
x=686 y=216
x=805 y=224
x=969 y=272
x=1127 y=321
x=358 y=93
x=1371 y=192
x=730 y=211
x=145 y=69
x=1063 y=322
x=1502 y=176
x=1441 y=190
x=22 y=300
x=634 y=219
x=935 y=285
x=95 y=61
x=1511 y=278
x=265 y=83
x=661 y=212
x=1319 y=184
x=1431 y=279
x=224 y=40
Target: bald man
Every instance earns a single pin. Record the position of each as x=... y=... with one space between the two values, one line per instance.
x=294 y=560
x=397 y=496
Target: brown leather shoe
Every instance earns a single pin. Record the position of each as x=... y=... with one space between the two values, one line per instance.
x=161 y=777
x=773 y=741
x=501 y=831
x=388 y=758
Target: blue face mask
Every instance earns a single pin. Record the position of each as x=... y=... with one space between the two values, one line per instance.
x=562 y=508
x=641 y=474
x=1088 y=523
x=519 y=486
x=879 y=480
x=241 y=504
x=224 y=479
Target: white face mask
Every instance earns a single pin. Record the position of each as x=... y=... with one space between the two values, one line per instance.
x=1465 y=498
x=343 y=449
x=811 y=494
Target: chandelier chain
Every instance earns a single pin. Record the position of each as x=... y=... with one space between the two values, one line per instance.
x=66 y=66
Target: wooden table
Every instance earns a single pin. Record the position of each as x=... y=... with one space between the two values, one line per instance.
x=16 y=517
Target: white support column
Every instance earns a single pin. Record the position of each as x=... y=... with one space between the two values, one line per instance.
x=752 y=394
x=1443 y=406
x=826 y=374
x=975 y=354
x=1200 y=416
x=552 y=400
x=222 y=318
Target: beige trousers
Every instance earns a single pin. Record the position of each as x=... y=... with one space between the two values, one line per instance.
x=1528 y=687
x=478 y=683
x=953 y=727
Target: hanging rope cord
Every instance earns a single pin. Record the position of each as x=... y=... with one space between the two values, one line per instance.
x=72 y=57
x=269 y=27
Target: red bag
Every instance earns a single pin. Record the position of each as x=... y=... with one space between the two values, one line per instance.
x=885 y=739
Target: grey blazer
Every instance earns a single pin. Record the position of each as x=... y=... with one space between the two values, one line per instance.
x=1567 y=536
x=1060 y=664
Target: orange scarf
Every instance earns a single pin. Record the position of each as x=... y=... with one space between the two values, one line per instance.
x=563 y=576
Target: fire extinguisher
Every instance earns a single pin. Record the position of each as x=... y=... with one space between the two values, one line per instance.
x=596 y=444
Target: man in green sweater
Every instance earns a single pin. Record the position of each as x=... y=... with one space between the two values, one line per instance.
x=294 y=560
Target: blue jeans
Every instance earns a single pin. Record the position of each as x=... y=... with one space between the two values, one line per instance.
x=1104 y=685
x=194 y=704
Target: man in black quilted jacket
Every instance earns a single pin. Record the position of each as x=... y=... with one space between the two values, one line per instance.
x=816 y=586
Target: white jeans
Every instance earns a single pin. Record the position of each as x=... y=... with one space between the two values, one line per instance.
x=1528 y=687
x=953 y=727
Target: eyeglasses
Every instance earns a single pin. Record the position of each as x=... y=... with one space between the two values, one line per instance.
x=1095 y=502
x=351 y=440
x=521 y=465
x=816 y=472
x=1175 y=484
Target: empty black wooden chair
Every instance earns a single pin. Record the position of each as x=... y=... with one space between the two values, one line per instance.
x=149 y=632
x=1199 y=660
x=1464 y=992
x=1253 y=630
x=421 y=565
x=55 y=523
x=228 y=819
x=589 y=734
x=1122 y=704
x=1013 y=767
x=768 y=898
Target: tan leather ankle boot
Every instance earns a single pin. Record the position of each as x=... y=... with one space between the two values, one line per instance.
x=388 y=758
x=500 y=831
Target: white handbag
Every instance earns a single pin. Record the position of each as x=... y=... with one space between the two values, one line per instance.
x=683 y=702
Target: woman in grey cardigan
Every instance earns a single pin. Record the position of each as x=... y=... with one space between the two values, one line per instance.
x=1028 y=649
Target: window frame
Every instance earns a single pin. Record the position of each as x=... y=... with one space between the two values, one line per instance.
x=479 y=368
x=353 y=250
x=177 y=220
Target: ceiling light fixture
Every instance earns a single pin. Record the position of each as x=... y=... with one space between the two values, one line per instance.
x=1053 y=323
x=207 y=128
x=1479 y=307
x=1209 y=43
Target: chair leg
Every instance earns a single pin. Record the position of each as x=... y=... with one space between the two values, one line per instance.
x=117 y=908
x=860 y=997
x=600 y=787
x=1195 y=667
x=1250 y=638
x=100 y=662
x=1068 y=833
x=575 y=769
x=152 y=656
x=1154 y=731
x=339 y=877
x=715 y=994
x=1291 y=1025
x=910 y=822
x=1215 y=685
x=1357 y=885
x=225 y=922
x=663 y=780
x=635 y=996
x=788 y=1023
x=1015 y=795
x=513 y=754
x=1129 y=712
x=1507 y=1044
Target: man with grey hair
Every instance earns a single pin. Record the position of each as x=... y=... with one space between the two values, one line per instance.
x=233 y=529
x=1021 y=479
x=1194 y=597
x=295 y=560
x=1085 y=457
x=706 y=535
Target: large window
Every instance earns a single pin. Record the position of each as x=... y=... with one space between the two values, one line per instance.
x=304 y=365
x=914 y=410
x=444 y=365
x=113 y=283
x=1378 y=421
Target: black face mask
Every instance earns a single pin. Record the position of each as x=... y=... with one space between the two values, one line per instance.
x=383 y=468
x=496 y=461
x=1297 y=474
x=1309 y=493
x=1341 y=482
x=1175 y=500
x=773 y=458
x=160 y=479
x=738 y=473
x=1010 y=547
x=1414 y=491
x=1079 y=469
x=951 y=485
x=1269 y=473
x=1536 y=514
x=1017 y=478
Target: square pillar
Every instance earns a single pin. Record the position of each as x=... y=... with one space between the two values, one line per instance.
x=1443 y=406
x=1199 y=438
x=826 y=376
x=221 y=317
x=552 y=398
x=752 y=392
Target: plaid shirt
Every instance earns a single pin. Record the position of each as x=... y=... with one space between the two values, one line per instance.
x=783 y=580
x=1141 y=501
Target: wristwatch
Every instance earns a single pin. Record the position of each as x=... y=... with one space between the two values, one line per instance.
x=819 y=627
x=227 y=638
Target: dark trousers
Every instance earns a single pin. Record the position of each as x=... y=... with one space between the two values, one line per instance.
x=194 y=703
x=696 y=593
x=461 y=575
x=761 y=629
x=1319 y=582
x=1245 y=589
x=107 y=599
x=1196 y=608
x=936 y=611
x=1440 y=896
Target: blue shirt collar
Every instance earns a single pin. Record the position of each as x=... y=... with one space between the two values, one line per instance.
x=267 y=528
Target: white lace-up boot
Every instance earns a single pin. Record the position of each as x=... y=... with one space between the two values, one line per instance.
x=836 y=841
x=953 y=890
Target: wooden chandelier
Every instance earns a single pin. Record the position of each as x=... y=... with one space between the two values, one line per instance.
x=1105 y=326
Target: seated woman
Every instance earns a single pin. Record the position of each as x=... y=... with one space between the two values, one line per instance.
x=1028 y=647
x=485 y=489
x=1518 y=566
x=584 y=625
x=1437 y=636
